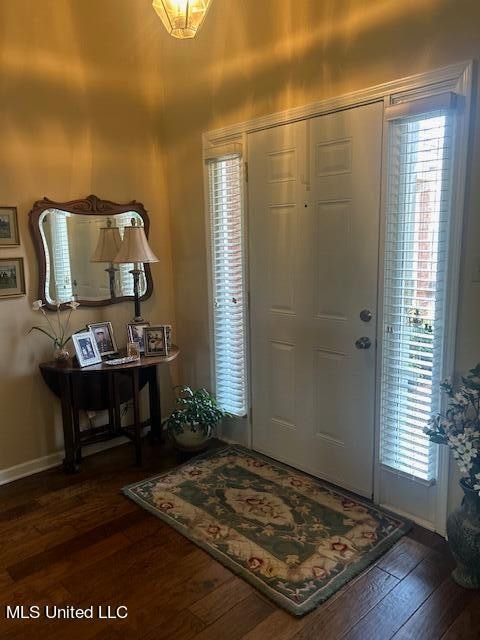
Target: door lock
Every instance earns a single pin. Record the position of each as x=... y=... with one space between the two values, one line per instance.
x=366 y=315
x=363 y=343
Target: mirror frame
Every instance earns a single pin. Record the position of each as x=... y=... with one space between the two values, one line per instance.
x=92 y=205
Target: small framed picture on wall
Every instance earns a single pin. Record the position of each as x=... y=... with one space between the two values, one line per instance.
x=12 y=277
x=9 y=236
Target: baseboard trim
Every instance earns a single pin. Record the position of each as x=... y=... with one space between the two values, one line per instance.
x=426 y=524
x=32 y=467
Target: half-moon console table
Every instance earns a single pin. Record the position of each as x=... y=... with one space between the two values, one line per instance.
x=105 y=387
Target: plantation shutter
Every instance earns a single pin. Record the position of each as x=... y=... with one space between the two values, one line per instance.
x=416 y=260
x=228 y=282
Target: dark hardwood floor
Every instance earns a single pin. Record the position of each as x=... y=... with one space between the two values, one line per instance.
x=75 y=540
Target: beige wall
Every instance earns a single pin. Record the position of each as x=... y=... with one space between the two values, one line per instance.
x=80 y=100
x=256 y=57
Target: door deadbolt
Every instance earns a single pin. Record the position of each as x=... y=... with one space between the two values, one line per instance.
x=366 y=315
x=363 y=343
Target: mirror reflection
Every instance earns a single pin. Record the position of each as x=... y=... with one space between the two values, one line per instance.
x=79 y=252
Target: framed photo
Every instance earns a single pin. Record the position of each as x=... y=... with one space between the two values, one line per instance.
x=168 y=336
x=133 y=350
x=103 y=333
x=9 y=236
x=86 y=348
x=135 y=333
x=155 y=341
x=12 y=277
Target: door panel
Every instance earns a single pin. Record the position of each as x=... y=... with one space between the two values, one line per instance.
x=314 y=197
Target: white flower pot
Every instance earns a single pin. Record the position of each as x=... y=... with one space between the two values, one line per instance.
x=192 y=441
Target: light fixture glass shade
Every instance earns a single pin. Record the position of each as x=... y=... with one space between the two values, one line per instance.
x=108 y=245
x=135 y=247
x=182 y=18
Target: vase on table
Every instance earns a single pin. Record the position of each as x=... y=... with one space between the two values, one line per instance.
x=60 y=355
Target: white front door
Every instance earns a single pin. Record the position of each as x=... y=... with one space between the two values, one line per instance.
x=314 y=202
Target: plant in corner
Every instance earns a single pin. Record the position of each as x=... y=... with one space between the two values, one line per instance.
x=459 y=428
x=57 y=330
x=190 y=425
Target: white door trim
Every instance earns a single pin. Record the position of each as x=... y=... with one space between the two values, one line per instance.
x=456 y=77
x=437 y=81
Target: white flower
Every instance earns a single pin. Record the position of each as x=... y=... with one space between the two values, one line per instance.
x=73 y=304
x=37 y=305
x=460 y=399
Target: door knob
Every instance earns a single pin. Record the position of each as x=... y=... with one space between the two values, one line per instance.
x=363 y=343
x=366 y=315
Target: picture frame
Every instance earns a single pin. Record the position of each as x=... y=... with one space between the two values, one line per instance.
x=133 y=350
x=12 y=277
x=86 y=348
x=135 y=333
x=168 y=336
x=104 y=337
x=9 y=235
x=155 y=341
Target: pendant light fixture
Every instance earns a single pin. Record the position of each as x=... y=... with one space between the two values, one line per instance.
x=182 y=18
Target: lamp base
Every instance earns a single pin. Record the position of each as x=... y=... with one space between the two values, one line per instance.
x=136 y=272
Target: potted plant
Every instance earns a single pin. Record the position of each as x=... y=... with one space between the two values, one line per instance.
x=190 y=425
x=57 y=330
x=459 y=428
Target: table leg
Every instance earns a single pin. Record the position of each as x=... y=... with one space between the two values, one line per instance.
x=155 y=407
x=112 y=422
x=76 y=420
x=69 y=463
x=136 y=417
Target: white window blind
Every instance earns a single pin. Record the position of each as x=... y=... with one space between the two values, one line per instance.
x=229 y=312
x=416 y=259
x=61 y=256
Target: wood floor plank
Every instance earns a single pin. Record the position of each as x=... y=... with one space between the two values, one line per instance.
x=106 y=576
x=333 y=621
x=13 y=550
x=403 y=558
x=279 y=625
x=238 y=621
x=181 y=627
x=437 y=613
x=68 y=548
x=467 y=624
x=149 y=525
x=217 y=603
x=60 y=570
x=384 y=620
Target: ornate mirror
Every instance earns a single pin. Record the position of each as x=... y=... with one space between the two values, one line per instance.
x=76 y=243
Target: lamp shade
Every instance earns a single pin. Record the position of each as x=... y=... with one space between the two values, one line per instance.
x=135 y=247
x=108 y=245
x=182 y=18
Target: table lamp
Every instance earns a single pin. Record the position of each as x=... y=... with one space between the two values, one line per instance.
x=107 y=248
x=135 y=248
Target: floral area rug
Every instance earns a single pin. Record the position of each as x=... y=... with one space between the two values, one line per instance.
x=290 y=535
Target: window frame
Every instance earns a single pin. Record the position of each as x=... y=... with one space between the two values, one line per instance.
x=235 y=428
x=428 y=94
x=395 y=182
